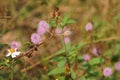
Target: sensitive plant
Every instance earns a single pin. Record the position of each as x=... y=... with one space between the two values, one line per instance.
x=80 y=61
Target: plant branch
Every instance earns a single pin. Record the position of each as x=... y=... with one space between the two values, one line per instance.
x=55 y=55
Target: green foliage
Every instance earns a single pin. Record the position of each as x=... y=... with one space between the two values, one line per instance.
x=61 y=63
x=58 y=70
x=53 y=22
x=96 y=61
x=66 y=20
x=115 y=58
x=73 y=75
x=116 y=18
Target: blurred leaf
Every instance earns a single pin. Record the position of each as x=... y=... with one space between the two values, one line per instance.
x=66 y=20
x=60 y=51
x=57 y=70
x=108 y=53
x=61 y=63
x=116 y=18
x=117 y=48
x=1 y=78
x=96 y=61
x=53 y=22
x=70 y=21
x=77 y=46
x=96 y=22
x=115 y=58
x=4 y=64
x=61 y=78
x=84 y=65
x=91 y=72
x=18 y=62
x=58 y=58
x=82 y=78
x=80 y=58
x=73 y=75
x=25 y=78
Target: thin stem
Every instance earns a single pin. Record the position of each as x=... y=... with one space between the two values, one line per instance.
x=41 y=61
x=11 y=75
x=67 y=77
x=66 y=51
x=12 y=69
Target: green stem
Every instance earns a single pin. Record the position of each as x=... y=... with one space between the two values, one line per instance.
x=12 y=69
x=66 y=52
x=11 y=75
x=67 y=77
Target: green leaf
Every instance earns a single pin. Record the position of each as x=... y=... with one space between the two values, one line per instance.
x=84 y=65
x=73 y=74
x=4 y=64
x=61 y=63
x=108 y=52
x=66 y=20
x=61 y=78
x=66 y=17
x=96 y=61
x=82 y=78
x=115 y=58
x=117 y=48
x=70 y=21
x=80 y=58
x=57 y=70
x=53 y=22
x=60 y=51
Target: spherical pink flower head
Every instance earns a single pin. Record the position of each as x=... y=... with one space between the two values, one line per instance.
x=35 y=38
x=15 y=44
x=58 y=30
x=89 y=26
x=66 y=40
x=95 y=51
x=86 y=57
x=107 y=72
x=43 y=27
x=117 y=66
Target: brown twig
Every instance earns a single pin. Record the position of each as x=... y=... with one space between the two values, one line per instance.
x=39 y=62
x=30 y=50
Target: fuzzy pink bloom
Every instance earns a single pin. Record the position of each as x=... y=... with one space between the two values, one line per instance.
x=89 y=26
x=117 y=66
x=107 y=72
x=15 y=44
x=35 y=38
x=67 y=40
x=58 y=30
x=43 y=27
x=86 y=57
x=95 y=51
